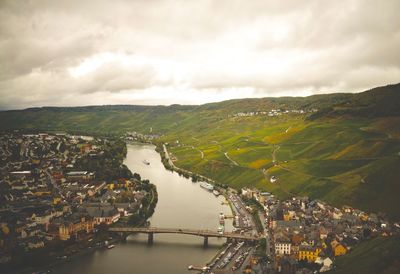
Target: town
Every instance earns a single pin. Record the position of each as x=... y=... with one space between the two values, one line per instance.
x=63 y=195
x=58 y=192
x=301 y=235
x=274 y=112
x=298 y=235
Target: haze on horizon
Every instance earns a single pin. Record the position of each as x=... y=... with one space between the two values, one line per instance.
x=73 y=53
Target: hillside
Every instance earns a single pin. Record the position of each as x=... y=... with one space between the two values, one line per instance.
x=117 y=119
x=379 y=255
x=347 y=152
x=377 y=102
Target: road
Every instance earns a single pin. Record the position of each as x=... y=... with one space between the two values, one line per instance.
x=245 y=219
x=230 y=159
x=173 y=166
x=236 y=256
x=276 y=148
x=51 y=180
x=232 y=259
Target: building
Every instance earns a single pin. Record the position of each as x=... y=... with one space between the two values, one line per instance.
x=326 y=264
x=20 y=174
x=35 y=242
x=283 y=248
x=103 y=214
x=125 y=208
x=74 y=224
x=338 y=248
x=43 y=217
x=80 y=175
x=248 y=193
x=309 y=253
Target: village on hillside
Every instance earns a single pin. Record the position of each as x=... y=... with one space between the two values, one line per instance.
x=274 y=112
x=309 y=234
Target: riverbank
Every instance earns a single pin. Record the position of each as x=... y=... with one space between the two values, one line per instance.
x=79 y=229
x=59 y=257
x=140 y=218
x=181 y=204
x=169 y=164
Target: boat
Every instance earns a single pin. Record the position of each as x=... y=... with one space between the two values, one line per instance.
x=207 y=186
x=221 y=229
x=216 y=192
x=221 y=218
x=110 y=246
x=146 y=162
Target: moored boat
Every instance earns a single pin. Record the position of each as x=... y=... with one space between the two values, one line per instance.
x=221 y=218
x=207 y=186
x=221 y=229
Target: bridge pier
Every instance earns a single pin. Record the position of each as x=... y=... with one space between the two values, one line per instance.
x=123 y=236
x=205 y=241
x=150 y=238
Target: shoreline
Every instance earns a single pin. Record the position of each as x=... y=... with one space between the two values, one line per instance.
x=169 y=165
x=55 y=261
x=116 y=239
x=65 y=251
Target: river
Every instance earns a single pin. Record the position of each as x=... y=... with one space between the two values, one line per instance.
x=181 y=204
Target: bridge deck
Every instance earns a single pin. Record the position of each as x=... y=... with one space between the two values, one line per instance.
x=202 y=233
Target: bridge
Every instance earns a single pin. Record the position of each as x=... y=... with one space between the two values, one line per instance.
x=201 y=233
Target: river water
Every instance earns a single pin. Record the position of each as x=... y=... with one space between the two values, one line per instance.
x=181 y=204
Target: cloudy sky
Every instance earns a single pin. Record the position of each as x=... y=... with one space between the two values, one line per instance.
x=69 y=53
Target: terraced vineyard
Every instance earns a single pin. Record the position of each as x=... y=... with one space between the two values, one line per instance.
x=332 y=159
x=348 y=152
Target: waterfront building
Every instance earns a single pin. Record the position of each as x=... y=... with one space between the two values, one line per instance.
x=74 y=224
x=103 y=214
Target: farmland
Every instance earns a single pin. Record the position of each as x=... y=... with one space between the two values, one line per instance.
x=341 y=148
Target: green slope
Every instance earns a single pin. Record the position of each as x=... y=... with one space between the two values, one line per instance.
x=379 y=255
x=346 y=153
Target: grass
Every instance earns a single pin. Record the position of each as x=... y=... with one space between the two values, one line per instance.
x=325 y=159
x=379 y=255
x=339 y=154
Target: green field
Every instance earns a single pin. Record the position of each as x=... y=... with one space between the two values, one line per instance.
x=379 y=255
x=347 y=153
x=330 y=159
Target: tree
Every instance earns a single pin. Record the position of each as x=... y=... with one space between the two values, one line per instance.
x=137 y=176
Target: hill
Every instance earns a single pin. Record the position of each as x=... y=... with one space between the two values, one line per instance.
x=342 y=148
x=377 y=102
x=379 y=255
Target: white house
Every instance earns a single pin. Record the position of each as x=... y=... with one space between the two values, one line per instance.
x=283 y=248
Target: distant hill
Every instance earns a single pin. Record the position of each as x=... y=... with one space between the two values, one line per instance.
x=342 y=148
x=377 y=102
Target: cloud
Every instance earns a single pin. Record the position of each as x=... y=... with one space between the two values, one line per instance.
x=163 y=52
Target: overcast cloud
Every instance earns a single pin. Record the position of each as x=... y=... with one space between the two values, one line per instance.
x=69 y=53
